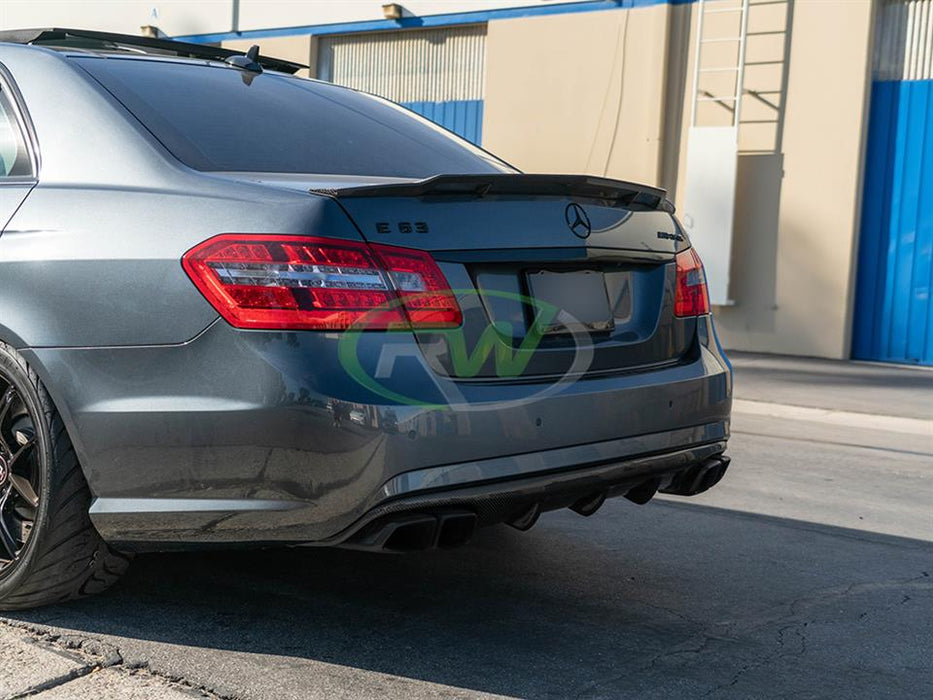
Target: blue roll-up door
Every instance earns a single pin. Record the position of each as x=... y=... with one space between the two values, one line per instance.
x=438 y=73
x=463 y=117
x=893 y=314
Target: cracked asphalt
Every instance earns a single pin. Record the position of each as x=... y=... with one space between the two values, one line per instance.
x=808 y=573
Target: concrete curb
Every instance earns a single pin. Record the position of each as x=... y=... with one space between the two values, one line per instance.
x=826 y=416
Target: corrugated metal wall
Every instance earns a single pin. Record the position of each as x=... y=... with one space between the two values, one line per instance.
x=904 y=40
x=439 y=73
x=893 y=308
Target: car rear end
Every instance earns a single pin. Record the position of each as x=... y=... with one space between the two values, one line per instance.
x=445 y=342
x=507 y=365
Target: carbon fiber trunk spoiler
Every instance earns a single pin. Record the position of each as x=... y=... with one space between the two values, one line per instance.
x=616 y=192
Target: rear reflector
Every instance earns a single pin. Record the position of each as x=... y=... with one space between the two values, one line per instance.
x=305 y=283
x=691 y=297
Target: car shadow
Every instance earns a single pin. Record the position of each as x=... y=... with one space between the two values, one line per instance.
x=677 y=598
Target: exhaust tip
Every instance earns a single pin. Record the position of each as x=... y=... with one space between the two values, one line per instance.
x=698 y=478
x=455 y=529
x=416 y=532
x=414 y=536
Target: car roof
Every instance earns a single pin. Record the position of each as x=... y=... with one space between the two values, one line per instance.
x=86 y=41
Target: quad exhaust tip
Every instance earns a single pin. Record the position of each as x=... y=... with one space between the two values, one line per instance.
x=698 y=478
x=418 y=532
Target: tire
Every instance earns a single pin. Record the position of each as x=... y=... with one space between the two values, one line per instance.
x=49 y=549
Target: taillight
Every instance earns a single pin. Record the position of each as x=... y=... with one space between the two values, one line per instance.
x=305 y=283
x=691 y=297
x=421 y=286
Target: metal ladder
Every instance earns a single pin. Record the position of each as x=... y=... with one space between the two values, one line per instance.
x=773 y=96
x=731 y=102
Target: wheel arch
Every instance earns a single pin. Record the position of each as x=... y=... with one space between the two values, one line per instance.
x=11 y=338
x=58 y=401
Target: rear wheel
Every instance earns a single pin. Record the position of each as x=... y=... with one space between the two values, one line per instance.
x=49 y=550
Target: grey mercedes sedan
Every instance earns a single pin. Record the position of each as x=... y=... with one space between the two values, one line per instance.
x=242 y=307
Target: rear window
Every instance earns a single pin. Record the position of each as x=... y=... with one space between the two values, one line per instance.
x=216 y=118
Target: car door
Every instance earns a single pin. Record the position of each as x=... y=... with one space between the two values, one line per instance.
x=18 y=166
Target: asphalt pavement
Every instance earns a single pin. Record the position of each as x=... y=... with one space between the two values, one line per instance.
x=808 y=572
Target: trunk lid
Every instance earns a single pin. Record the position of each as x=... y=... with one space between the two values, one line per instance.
x=555 y=274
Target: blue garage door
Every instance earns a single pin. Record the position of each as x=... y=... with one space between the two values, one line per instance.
x=893 y=318
x=463 y=117
x=438 y=73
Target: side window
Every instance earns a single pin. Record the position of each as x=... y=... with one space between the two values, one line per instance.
x=14 y=158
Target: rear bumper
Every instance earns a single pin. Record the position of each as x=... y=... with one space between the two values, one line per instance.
x=496 y=490
x=232 y=438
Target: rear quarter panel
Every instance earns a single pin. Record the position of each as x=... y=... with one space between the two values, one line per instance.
x=93 y=266
x=92 y=257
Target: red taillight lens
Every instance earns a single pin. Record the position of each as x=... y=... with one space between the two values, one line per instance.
x=420 y=284
x=691 y=297
x=304 y=283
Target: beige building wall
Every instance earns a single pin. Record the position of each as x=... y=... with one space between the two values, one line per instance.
x=798 y=208
x=609 y=93
x=578 y=93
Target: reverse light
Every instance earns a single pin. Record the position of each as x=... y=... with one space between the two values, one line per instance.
x=691 y=297
x=306 y=283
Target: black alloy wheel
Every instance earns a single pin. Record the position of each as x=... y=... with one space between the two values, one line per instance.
x=19 y=470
